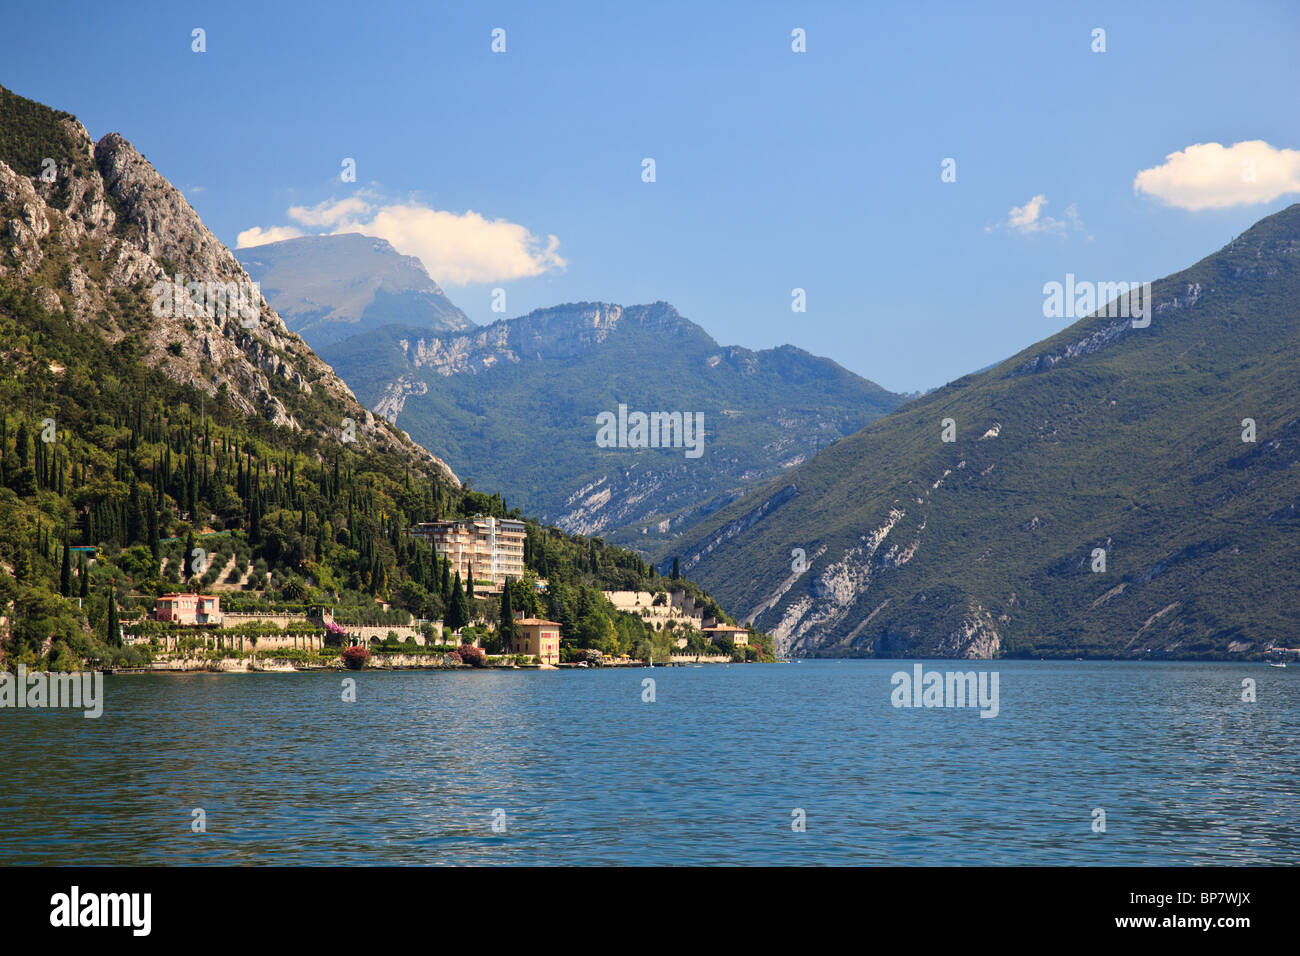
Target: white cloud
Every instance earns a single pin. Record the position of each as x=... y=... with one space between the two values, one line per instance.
x=1030 y=220
x=456 y=248
x=329 y=213
x=1210 y=176
x=257 y=236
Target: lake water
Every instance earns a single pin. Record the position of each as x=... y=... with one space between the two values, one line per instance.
x=709 y=773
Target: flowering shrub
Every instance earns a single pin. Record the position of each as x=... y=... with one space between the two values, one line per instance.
x=334 y=635
x=356 y=657
x=473 y=656
x=452 y=657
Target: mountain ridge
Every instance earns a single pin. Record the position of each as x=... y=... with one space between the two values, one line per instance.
x=1092 y=439
x=518 y=399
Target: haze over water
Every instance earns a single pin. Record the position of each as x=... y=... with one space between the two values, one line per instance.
x=588 y=773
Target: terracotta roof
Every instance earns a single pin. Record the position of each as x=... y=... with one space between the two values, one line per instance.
x=536 y=620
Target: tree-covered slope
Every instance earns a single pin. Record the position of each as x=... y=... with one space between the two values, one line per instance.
x=1104 y=437
x=515 y=405
x=140 y=434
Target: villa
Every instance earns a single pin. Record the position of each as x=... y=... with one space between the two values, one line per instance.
x=537 y=638
x=189 y=609
x=739 y=636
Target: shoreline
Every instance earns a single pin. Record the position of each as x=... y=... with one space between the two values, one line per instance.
x=294 y=667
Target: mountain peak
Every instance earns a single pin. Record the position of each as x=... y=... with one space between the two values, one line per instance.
x=127 y=249
x=332 y=288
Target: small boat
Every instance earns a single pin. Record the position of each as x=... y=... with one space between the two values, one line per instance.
x=1271 y=664
x=583 y=664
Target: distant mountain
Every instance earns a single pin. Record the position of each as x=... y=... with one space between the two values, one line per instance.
x=1105 y=439
x=329 y=288
x=515 y=405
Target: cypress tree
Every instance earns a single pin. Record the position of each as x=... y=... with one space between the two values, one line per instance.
x=65 y=572
x=114 y=631
x=457 y=613
x=22 y=445
x=506 y=628
x=469 y=583
x=84 y=575
x=155 y=545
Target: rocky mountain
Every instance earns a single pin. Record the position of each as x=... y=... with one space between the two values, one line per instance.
x=95 y=233
x=330 y=288
x=516 y=405
x=161 y=429
x=1115 y=490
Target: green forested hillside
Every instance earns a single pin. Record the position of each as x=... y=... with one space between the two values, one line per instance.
x=143 y=470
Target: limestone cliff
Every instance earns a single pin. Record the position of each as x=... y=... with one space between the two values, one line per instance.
x=95 y=232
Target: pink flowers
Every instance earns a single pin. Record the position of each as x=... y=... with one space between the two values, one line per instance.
x=473 y=656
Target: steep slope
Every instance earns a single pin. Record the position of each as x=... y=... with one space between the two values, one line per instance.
x=1103 y=438
x=330 y=288
x=515 y=404
x=94 y=232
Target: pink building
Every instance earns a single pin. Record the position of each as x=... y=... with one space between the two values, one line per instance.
x=189 y=609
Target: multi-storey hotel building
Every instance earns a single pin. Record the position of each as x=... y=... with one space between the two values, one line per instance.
x=493 y=547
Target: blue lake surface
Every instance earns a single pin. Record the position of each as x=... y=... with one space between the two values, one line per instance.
x=709 y=773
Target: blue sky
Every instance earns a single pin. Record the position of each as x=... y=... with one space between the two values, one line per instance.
x=774 y=169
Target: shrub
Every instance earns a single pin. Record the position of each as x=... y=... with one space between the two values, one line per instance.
x=471 y=655
x=355 y=657
x=334 y=635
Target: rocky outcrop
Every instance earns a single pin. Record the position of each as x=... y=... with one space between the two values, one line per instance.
x=109 y=226
x=555 y=333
